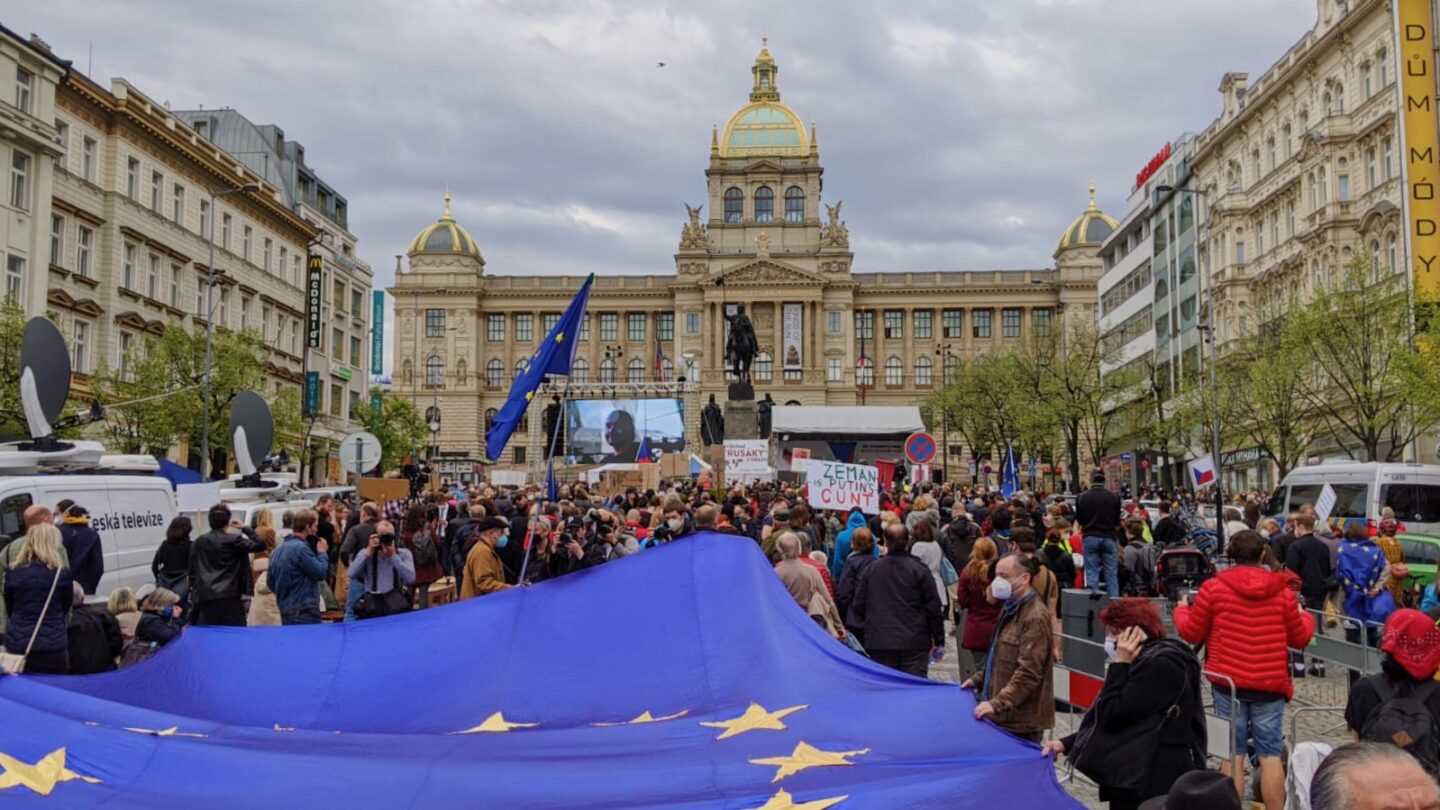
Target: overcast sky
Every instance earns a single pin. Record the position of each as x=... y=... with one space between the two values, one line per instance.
x=961 y=135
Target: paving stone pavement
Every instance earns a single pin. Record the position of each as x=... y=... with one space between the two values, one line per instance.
x=1315 y=715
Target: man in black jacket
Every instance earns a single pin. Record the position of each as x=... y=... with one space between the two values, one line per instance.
x=82 y=545
x=1169 y=532
x=94 y=636
x=1309 y=558
x=899 y=607
x=1097 y=510
x=220 y=570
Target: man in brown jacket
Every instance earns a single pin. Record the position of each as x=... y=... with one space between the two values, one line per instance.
x=483 y=571
x=1015 y=689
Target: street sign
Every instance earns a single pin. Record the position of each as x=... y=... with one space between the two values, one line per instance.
x=1032 y=468
x=920 y=448
x=360 y=452
x=1126 y=456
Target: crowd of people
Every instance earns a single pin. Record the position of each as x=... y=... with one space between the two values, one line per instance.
x=894 y=585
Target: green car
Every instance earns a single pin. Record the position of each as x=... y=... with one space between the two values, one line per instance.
x=1422 y=554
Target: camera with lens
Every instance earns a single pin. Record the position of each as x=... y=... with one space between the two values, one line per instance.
x=387 y=539
x=662 y=534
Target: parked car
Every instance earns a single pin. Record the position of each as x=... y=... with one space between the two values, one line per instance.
x=1422 y=554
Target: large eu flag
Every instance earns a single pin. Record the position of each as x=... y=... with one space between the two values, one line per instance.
x=555 y=355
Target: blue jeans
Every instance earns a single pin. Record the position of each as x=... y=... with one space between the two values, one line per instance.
x=1102 y=551
x=306 y=614
x=1262 y=722
x=357 y=590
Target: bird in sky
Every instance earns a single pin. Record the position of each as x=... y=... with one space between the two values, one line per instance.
x=659 y=64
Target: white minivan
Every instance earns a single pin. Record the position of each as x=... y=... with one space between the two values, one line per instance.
x=1362 y=489
x=130 y=512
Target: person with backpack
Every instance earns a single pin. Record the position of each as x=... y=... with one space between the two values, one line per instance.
x=418 y=534
x=1140 y=556
x=1056 y=556
x=1363 y=573
x=1400 y=705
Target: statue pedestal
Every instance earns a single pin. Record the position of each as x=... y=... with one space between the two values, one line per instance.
x=740 y=391
x=742 y=420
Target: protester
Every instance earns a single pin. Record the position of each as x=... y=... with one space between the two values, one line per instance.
x=1169 y=532
x=358 y=535
x=843 y=540
x=220 y=570
x=981 y=614
x=420 y=535
x=1401 y=703
x=171 y=565
x=1138 y=559
x=296 y=570
x=862 y=547
x=126 y=609
x=381 y=571
x=1248 y=620
x=804 y=583
x=483 y=572
x=1363 y=573
x=1372 y=776
x=899 y=609
x=161 y=618
x=1097 y=510
x=1146 y=728
x=38 y=594
x=1394 y=556
x=925 y=549
x=82 y=546
x=34 y=515
x=93 y=638
x=1197 y=790
x=1015 y=689
x=1309 y=559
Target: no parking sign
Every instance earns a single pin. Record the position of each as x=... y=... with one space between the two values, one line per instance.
x=920 y=448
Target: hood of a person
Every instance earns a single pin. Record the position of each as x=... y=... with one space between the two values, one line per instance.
x=1252 y=581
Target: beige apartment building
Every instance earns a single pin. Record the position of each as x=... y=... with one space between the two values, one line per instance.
x=764 y=238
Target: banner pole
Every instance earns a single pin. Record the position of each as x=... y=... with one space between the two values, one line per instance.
x=550 y=465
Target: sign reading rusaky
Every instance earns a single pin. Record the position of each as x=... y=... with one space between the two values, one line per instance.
x=843 y=486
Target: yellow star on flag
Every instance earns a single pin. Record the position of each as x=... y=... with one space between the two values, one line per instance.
x=559 y=337
x=755 y=717
x=646 y=717
x=495 y=724
x=805 y=756
x=529 y=395
x=784 y=801
x=173 y=731
x=40 y=777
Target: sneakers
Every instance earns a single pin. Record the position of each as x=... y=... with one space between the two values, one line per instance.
x=1317 y=668
x=1297 y=670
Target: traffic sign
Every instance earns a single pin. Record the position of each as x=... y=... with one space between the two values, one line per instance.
x=920 y=448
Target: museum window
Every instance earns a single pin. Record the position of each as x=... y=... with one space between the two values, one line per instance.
x=520 y=366
x=580 y=370
x=494 y=373
x=834 y=321
x=636 y=371
x=1010 y=322
x=734 y=205
x=794 y=204
x=894 y=324
x=865 y=372
x=923 y=324
x=524 y=327
x=609 y=326
x=764 y=204
x=494 y=328
x=434 y=371
x=585 y=327
x=665 y=326
x=490 y=414
x=894 y=371
x=607 y=370
x=865 y=324
x=952 y=367
x=764 y=367
x=951 y=322
x=980 y=323
x=923 y=368
x=692 y=323
x=548 y=321
x=1040 y=321
x=834 y=369
x=517 y=455
x=635 y=326
x=435 y=323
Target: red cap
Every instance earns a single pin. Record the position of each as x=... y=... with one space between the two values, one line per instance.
x=1413 y=640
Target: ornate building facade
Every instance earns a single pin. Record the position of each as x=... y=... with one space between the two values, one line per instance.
x=765 y=239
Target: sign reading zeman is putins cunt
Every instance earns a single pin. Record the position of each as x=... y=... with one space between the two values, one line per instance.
x=843 y=486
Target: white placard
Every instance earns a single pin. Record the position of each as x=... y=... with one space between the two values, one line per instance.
x=196 y=497
x=745 y=457
x=1325 y=504
x=508 y=478
x=843 y=487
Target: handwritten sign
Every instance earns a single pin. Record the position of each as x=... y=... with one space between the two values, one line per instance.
x=844 y=486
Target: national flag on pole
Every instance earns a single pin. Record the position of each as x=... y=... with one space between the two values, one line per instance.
x=1010 y=475
x=643 y=454
x=1202 y=472
x=661 y=373
x=552 y=487
x=555 y=356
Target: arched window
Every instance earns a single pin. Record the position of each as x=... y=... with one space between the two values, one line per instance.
x=734 y=204
x=952 y=367
x=494 y=373
x=1394 y=253
x=923 y=367
x=865 y=372
x=764 y=367
x=520 y=367
x=434 y=370
x=607 y=370
x=580 y=370
x=489 y=419
x=794 y=204
x=764 y=204
x=894 y=371
x=636 y=372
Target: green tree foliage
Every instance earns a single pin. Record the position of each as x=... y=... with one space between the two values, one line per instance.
x=397 y=424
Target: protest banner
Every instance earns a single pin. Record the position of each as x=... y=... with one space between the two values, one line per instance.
x=843 y=487
x=747 y=459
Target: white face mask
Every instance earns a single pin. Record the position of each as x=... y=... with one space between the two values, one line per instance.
x=1001 y=589
x=1110 y=648
x=675 y=524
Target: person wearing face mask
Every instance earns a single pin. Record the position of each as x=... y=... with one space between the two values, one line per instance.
x=1147 y=725
x=1015 y=689
x=677 y=520
x=484 y=572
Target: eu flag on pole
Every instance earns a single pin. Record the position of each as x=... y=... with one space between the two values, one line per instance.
x=555 y=355
x=552 y=487
x=1010 y=476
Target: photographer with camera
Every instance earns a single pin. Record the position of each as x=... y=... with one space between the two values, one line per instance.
x=383 y=571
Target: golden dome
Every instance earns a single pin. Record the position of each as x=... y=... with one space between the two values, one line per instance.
x=1088 y=229
x=445 y=236
x=765 y=126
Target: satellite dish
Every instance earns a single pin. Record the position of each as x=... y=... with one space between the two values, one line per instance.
x=44 y=375
x=360 y=451
x=252 y=430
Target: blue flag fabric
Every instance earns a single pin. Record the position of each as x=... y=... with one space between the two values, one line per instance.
x=726 y=695
x=1010 y=478
x=555 y=356
x=552 y=487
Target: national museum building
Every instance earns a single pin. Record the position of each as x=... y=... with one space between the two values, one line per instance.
x=764 y=239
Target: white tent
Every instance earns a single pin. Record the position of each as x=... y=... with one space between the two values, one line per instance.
x=846 y=420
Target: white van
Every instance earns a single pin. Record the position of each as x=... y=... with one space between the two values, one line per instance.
x=1362 y=489
x=248 y=513
x=130 y=512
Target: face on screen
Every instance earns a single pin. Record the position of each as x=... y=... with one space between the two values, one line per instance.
x=619 y=429
x=609 y=430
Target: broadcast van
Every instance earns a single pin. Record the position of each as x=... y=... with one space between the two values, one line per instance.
x=1362 y=489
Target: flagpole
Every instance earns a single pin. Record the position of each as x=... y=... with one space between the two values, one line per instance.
x=550 y=462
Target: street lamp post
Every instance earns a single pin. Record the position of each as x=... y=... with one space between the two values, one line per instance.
x=1208 y=329
x=211 y=278
x=943 y=352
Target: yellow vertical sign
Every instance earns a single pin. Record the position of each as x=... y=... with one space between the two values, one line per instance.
x=1416 y=32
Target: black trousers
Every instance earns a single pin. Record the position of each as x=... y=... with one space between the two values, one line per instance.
x=50 y=662
x=227 y=612
x=914 y=662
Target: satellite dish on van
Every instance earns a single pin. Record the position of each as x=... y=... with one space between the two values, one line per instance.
x=44 y=376
x=360 y=451
x=252 y=430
